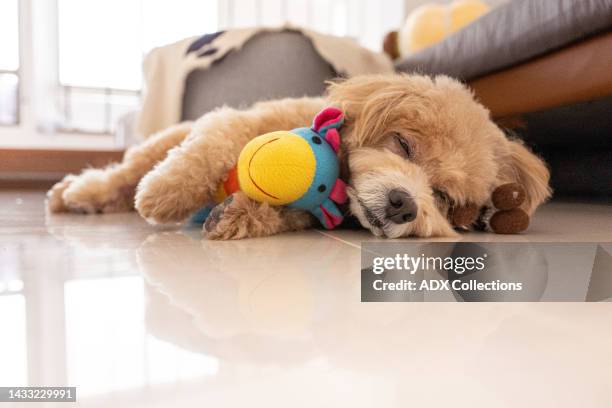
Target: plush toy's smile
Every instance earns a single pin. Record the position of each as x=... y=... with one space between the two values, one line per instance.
x=251 y=161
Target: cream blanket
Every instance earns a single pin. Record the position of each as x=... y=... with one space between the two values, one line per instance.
x=166 y=69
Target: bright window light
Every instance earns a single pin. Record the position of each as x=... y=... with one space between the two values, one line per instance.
x=9 y=33
x=9 y=61
x=102 y=42
x=9 y=85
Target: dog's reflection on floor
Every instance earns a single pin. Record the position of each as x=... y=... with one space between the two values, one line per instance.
x=261 y=300
x=252 y=297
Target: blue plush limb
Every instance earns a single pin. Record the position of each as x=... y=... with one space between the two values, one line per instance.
x=200 y=216
x=317 y=212
x=332 y=208
x=328 y=214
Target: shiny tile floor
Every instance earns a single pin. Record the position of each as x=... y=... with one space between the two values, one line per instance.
x=137 y=316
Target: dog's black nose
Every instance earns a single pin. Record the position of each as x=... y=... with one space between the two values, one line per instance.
x=401 y=207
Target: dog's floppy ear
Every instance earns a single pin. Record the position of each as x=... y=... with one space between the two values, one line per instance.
x=524 y=167
x=327 y=123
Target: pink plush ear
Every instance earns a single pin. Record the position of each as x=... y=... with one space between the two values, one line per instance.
x=327 y=123
x=338 y=192
x=328 y=118
x=333 y=138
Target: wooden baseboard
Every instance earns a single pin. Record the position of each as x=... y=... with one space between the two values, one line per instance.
x=43 y=164
x=12 y=184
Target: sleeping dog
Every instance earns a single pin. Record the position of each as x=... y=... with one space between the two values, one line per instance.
x=411 y=145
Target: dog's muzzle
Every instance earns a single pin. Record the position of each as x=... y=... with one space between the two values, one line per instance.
x=401 y=207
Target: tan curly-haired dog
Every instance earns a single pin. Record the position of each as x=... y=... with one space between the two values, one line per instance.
x=413 y=147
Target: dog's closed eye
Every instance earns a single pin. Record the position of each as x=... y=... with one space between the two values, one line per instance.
x=442 y=197
x=404 y=147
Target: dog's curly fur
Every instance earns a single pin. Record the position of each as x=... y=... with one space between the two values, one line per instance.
x=426 y=136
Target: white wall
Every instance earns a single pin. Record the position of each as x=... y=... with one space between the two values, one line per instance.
x=365 y=20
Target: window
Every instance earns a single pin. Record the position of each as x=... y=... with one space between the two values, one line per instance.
x=9 y=62
x=74 y=66
x=363 y=20
x=101 y=45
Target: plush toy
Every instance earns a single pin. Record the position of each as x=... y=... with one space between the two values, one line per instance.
x=431 y=23
x=508 y=219
x=297 y=168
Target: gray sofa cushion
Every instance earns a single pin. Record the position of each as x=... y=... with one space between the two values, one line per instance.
x=511 y=34
x=269 y=66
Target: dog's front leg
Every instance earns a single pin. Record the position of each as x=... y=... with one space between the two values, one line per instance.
x=189 y=176
x=112 y=189
x=240 y=217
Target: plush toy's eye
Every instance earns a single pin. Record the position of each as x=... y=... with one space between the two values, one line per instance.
x=322 y=188
x=404 y=145
x=316 y=140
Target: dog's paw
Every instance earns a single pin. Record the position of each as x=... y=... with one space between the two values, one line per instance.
x=240 y=217
x=95 y=192
x=55 y=201
x=161 y=201
x=211 y=225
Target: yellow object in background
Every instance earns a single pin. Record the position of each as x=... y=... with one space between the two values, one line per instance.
x=431 y=23
x=464 y=12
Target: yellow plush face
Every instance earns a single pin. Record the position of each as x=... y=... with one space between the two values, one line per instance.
x=276 y=168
